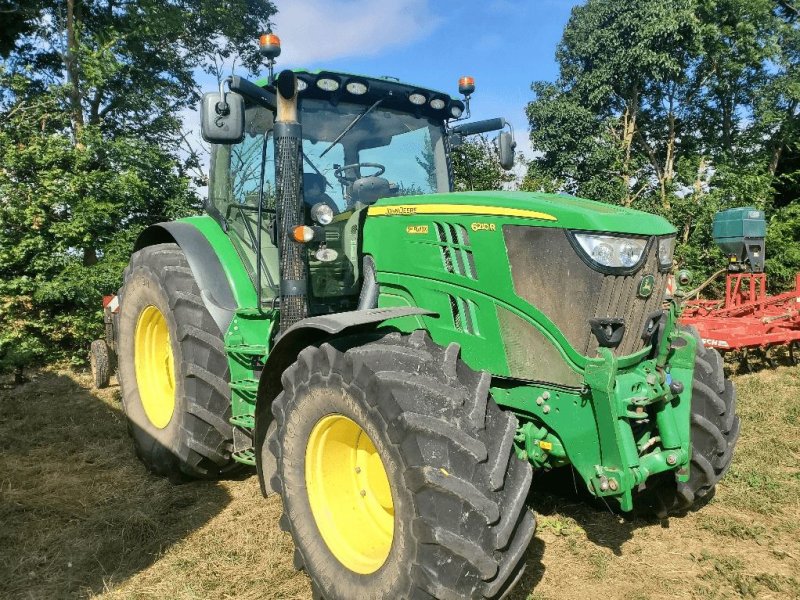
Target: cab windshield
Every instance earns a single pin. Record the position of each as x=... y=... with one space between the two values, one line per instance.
x=387 y=153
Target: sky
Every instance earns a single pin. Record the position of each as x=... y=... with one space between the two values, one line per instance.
x=504 y=44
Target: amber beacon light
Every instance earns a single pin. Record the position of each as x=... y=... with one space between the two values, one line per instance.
x=270 y=45
x=466 y=85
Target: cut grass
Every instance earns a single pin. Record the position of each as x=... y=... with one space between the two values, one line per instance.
x=82 y=518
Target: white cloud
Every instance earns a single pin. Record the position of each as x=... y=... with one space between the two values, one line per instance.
x=314 y=31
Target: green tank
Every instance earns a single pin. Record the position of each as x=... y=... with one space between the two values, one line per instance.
x=740 y=233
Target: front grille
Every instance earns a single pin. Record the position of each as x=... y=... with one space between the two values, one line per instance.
x=548 y=273
x=619 y=297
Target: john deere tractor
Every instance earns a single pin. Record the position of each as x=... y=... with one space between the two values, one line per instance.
x=397 y=359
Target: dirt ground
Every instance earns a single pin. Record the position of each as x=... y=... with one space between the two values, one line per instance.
x=80 y=516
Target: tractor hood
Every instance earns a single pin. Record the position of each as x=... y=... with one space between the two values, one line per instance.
x=549 y=210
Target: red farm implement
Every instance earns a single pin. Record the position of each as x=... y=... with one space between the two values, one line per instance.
x=747 y=322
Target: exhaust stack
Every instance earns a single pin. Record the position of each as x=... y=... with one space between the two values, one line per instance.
x=288 y=205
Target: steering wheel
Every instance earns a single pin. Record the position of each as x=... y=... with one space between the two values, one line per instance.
x=339 y=171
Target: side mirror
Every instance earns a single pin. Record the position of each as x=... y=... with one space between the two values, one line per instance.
x=222 y=118
x=505 y=150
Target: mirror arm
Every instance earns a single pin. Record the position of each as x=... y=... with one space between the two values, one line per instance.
x=247 y=88
x=222 y=108
x=513 y=137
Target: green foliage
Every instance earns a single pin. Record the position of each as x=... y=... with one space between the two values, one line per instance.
x=68 y=219
x=680 y=107
x=783 y=246
x=476 y=166
x=91 y=152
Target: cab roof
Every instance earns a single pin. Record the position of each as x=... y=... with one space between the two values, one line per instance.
x=392 y=92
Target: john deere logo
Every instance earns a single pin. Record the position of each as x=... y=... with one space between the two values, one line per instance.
x=646 y=286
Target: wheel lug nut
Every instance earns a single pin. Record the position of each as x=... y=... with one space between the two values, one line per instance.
x=363 y=492
x=358 y=469
x=540 y=401
x=546 y=408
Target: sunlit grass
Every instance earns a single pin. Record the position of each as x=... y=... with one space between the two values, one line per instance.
x=82 y=518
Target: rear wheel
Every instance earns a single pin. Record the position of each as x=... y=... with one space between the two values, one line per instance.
x=397 y=473
x=172 y=369
x=714 y=433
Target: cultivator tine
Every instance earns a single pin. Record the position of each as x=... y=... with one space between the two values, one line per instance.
x=794 y=352
x=745 y=366
x=768 y=356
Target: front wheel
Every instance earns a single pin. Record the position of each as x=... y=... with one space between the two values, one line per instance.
x=714 y=433
x=397 y=473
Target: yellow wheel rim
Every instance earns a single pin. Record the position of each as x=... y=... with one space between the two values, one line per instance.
x=155 y=369
x=349 y=493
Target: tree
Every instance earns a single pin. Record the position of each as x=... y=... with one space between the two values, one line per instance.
x=56 y=201
x=91 y=94
x=476 y=166
x=680 y=107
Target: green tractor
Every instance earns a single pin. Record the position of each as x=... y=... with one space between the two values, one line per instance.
x=397 y=359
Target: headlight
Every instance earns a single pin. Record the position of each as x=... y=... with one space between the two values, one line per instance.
x=611 y=251
x=322 y=213
x=666 y=248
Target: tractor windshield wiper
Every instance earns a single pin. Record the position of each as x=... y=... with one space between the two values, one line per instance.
x=317 y=171
x=352 y=124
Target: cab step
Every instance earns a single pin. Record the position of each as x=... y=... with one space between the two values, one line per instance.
x=245 y=385
x=246 y=349
x=246 y=457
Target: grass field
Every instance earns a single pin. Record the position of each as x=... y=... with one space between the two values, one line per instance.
x=80 y=517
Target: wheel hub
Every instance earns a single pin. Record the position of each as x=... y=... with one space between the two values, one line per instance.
x=349 y=493
x=154 y=365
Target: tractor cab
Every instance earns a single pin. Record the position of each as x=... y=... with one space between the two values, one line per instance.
x=363 y=139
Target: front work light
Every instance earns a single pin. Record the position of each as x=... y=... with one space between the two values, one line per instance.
x=322 y=213
x=666 y=248
x=327 y=84
x=356 y=88
x=611 y=251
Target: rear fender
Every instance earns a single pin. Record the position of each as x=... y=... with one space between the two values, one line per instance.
x=204 y=262
x=308 y=332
